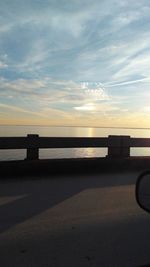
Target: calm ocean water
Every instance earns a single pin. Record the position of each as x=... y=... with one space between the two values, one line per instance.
x=69 y=132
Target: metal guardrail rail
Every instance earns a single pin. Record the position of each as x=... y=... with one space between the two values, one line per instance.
x=118 y=146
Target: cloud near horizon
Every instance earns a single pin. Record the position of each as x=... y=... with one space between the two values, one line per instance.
x=75 y=63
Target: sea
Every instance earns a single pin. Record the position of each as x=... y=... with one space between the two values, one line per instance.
x=49 y=131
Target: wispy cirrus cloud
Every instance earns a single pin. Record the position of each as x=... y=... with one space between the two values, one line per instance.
x=51 y=55
x=53 y=91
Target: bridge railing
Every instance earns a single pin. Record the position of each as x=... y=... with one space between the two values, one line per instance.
x=118 y=146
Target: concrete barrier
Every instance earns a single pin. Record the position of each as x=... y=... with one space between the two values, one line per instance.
x=118 y=146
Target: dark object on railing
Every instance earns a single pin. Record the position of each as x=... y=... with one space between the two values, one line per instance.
x=118 y=146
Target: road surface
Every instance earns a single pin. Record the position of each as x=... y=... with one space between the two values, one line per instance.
x=73 y=221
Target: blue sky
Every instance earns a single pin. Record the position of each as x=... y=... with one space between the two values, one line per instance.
x=75 y=62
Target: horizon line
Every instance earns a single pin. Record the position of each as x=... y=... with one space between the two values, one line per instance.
x=78 y=126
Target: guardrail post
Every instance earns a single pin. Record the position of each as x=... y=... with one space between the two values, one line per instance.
x=32 y=151
x=118 y=146
x=125 y=146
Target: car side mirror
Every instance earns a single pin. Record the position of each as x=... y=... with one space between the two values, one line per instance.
x=143 y=191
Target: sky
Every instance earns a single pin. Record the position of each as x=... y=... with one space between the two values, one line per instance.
x=75 y=63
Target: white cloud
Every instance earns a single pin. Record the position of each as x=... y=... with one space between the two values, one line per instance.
x=111 y=84
x=5 y=28
x=88 y=107
x=3 y=65
x=96 y=108
x=9 y=108
x=125 y=18
x=146 y=110
x=54 y=91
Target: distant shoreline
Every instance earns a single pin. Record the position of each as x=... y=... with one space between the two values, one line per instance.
x=68 y=126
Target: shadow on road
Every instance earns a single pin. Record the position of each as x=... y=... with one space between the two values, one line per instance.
x=38 y=195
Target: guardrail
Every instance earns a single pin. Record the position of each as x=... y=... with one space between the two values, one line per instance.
x=118 y=146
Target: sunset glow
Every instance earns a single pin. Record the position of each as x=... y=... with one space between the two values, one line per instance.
x=75 y=63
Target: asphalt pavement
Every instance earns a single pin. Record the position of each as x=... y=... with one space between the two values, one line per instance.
x=73 y=221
